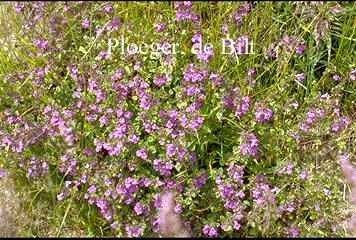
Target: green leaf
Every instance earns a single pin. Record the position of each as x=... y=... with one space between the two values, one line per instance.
x=178 y=166
x=182 y=105
x=187 y=201
x=150 y=139
x=82 y=49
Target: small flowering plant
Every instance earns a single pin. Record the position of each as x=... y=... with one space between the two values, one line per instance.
x=221 y=145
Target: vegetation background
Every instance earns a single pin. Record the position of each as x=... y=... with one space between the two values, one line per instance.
x=253 y=145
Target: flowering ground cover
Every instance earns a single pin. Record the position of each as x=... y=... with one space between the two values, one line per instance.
x=238 y=117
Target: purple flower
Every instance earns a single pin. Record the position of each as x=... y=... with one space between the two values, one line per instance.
x=6 y=141
x=87 y=152
x=67 y=183
x=137 y=65
x=286 y=39
x=128 y=115
x=326 y=192
x=107 y=193
x=317 y=208
x=184 y=12
x=249 y=144
x=238 y=215
x=159 y=27
x=196 y=38
x=346 y=121
x=310 y=116
x=250 y=71
x=170 y=150
x=91 y=201
x=3 y=173
x=76 y=94
x=236 y=225
x=300 y=77
x=206 y=229
x=231 y=204
x=142 y=154
x=325 y=96
x=107 y=8
x=224 y=29
x=137 y=232
x=281 y=208
x=300 y=49
x=294 y=232
x=227 y=191
x=204 y=56
x=178 y=208
x=304 y=175
x=223 y=226
x=304 y=127
x=320 y=112
x=18 y=7
x=101 y=204
x=336 y=77
x=117 y=75
x=262 y=115
x=290 y=208
x=60 y=196
x=289 y=168
x=276 y=190
x=138 y=209
x=85 y=23
x=256 y=193
x=199 y=181
x=92 y=189
x=114 y=225
x=335 y=127
x=213 y=232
